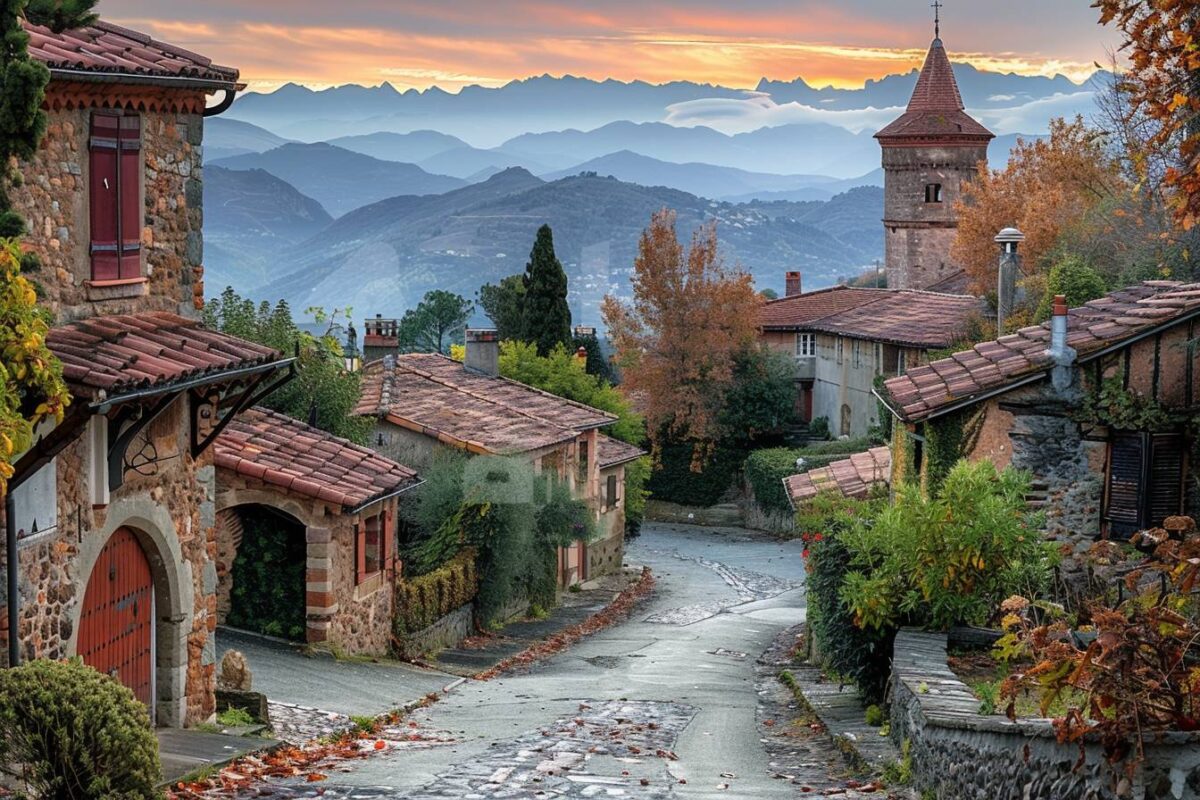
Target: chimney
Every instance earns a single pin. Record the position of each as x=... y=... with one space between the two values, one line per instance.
x=1010 y=266
x=793 y=285
x=483 y=352
x=1063 y=374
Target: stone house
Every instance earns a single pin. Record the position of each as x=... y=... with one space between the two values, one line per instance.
x=338 y=500
x=843 y=338
x=1096 y=404
x=110 y=516
x=425 y=403
x=606 y=553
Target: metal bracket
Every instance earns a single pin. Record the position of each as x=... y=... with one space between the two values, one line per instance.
x=130 y=421
x=232 y=405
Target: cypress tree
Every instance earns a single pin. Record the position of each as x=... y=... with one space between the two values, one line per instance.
x=546 y=319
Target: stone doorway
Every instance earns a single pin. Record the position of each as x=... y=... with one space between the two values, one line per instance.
x=261 y=572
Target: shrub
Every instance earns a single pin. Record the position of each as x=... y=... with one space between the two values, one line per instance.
x=859 y=655
x=66 y=731
x=947 y=559
x=819 y=428
x=424 y=600
x=765 y=472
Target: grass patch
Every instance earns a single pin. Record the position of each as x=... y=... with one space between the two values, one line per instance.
x=235 y=718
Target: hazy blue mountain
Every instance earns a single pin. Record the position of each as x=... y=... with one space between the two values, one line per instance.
x=705 y=180
x=225 y=137
x=250 y=217
x=384 y=257
x=339 y=179
x=487 y=116
x=410 y=148
x=804 y=149
x=466 y=162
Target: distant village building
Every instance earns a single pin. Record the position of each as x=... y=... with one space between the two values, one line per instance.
x=381 y=337
x=928 y=154
x=843 y=338
x=423 y=403
x=113 y=510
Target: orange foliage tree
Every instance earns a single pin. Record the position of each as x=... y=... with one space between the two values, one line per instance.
x=1066 y=187
x=1162 y=41
x=677 y=340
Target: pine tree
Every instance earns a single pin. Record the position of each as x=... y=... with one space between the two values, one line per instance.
x=61 y=15
x=546 y=320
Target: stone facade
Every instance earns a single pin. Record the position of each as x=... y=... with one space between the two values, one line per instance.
x=606 y=553
x=956 y=752
x=918 y=234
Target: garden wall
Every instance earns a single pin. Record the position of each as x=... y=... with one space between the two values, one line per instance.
x=957 y=752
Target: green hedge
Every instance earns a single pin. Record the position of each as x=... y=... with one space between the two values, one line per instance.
x=674 y=482
x=766 y=469
x=422 y=601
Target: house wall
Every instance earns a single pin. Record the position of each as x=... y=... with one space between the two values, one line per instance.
x=785 y=342
x=605 y=555
x=54 y=199
x=845 y=384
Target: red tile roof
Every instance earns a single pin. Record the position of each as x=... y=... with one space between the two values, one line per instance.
x=110 y=356
x=936 y=107
x=896 y=316
x=437 y=396
x=105 y=48
x=613 y=452
x=287 y=453
x=992 y=366
x=852 y=477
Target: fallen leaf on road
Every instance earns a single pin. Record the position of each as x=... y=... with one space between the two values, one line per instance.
x=313 y=777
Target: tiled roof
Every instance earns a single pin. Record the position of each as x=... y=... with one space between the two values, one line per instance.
x=936 y=107
x=851 y=477
x=898 y=316
x=109 y=49
x=954 y=283
x=992 y=366
x=613 y=452
x=119 y=354
x=795 y=312
x=287 y=453
x=439 y=397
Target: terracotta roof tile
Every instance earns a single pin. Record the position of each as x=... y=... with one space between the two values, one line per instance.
x=120 y=354
x=903 y=317
x=991 y=366
x=613 y=452
x=265 y=444
x=110 y=49
x=439 y=397
x=936 y=107
x=851 y=477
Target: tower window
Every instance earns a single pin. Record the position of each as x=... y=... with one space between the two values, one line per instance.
x=933 y=193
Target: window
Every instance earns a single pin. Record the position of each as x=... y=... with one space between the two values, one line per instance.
x=611 y=496
x=116 y=196
x=372 y=546
x=583 y=462
x=856 y=353
x=933 y=193
x=841 y=349
x=806 y=345
x=1145 y=480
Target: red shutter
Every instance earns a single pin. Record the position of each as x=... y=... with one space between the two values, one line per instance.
x=360 y=553
x=104 y=196
x=131 y=197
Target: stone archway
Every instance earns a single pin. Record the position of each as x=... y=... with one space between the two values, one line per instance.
x=261 y=571
x=174 y=597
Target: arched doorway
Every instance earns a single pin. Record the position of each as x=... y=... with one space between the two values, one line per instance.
x=262 y=571
x=116 y=626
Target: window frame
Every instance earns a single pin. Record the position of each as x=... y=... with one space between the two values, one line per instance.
x=115 y=149
x=806 y=345
x=372 y=550
x=1140 y=482
x=935 y=191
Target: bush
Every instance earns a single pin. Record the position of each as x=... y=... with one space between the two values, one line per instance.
x=765 y=472
x=674 y=481
x=424 y=600
x=861 y=656
x=948 y=559
x=66 y=731
x=819 y=428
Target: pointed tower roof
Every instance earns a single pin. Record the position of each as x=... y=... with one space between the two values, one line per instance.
x=935 y=110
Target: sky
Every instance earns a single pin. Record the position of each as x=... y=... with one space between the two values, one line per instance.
x=454 y=43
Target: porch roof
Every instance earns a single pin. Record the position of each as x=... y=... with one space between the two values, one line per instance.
x=852 y=477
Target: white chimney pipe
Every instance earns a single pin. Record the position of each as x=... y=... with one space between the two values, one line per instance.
x=1063 y=374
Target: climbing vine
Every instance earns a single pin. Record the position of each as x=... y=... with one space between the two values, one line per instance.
x=1116 y=406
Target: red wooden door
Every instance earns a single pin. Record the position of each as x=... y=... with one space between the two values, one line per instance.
x=116 y=628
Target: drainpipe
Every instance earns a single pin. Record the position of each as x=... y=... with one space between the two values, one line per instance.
x=1063 y=373
x=14 y=599
x=1010 y=266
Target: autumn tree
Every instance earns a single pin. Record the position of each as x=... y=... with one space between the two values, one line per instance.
x=545 y=316
x=438 y=321
x=678 y=340
x=1162 y=43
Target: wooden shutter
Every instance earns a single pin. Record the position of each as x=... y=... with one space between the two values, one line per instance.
x=1126 y=479
x=1164 y=495
x=130 y=189
x=612 y=491
x=104 y=197
x=360 y=553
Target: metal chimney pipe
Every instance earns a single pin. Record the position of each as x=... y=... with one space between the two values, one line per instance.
x=1010 y=266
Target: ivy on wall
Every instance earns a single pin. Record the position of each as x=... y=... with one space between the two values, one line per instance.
x=1116 y=406
x=268 y=576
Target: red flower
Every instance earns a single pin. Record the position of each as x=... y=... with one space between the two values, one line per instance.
x=818 y=537
x=805 y=553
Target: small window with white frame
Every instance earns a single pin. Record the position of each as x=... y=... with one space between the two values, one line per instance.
x=806 y=345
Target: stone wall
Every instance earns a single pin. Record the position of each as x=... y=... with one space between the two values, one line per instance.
x=54 y=199
x=449 y=631
x=956 y=752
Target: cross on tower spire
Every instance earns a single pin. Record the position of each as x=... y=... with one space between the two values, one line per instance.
x=937 y=18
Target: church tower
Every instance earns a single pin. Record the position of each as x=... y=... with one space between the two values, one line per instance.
x=928 y=153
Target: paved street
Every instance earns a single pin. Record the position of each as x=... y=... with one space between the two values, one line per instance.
x=670 y=704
